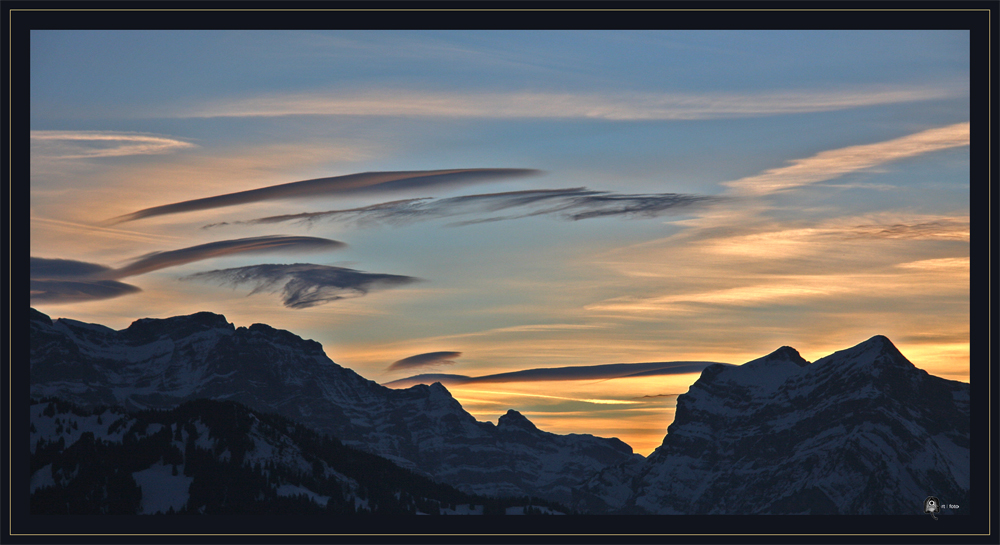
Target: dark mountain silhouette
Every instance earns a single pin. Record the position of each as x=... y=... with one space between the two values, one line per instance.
x=220 y=457
x=161 y=363
x=861 y=431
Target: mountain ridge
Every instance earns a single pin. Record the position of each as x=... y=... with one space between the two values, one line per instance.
x=861 y=431
x=220 y=457
x=161 y=363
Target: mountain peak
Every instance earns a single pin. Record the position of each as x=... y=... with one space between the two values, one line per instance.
x=875 y=353
x=795 y=434
x=158 y=363
x=515 y=420
x=880 y=341
x=40 y=317
x=207 y=319
x=761 y=375
x=786 y=353
x=147 y=329
x=438 y=390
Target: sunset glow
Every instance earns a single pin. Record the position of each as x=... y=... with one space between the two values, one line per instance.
x=497 y=201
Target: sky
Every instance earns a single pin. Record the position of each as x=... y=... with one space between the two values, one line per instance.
x=482 y=202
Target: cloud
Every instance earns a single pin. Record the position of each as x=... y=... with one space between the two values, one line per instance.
x=76 y=291
x=944 y=229
x=570 y=204
x=92 y=144
x=41 y=267
x=793 y=290
x=770 y=241
x=543 y=105
x=67 y=280
x=304 y=285
x=595 y=401
x=831 y=164
x=582 y=372
x=119 y=234
x=597 y=372
x=161 y=260
x=423 y=360
x=944 y=264
x=365 y=182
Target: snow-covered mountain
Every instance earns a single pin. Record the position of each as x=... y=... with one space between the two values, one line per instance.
x=861 y=431
x=161 y=363
x=220 y=457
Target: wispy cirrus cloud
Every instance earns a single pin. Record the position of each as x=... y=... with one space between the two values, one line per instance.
x=945 y=276
x=571 y=204
x=830 y=164
x=93 y=144
x=943 y=264
x=792 y=290
x=304 y=285
x=531 y=104
x=365 y=182
x=938 y=229
x=426 y=360
x=772 y=240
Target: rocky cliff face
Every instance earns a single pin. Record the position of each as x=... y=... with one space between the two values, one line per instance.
x=162 y=363
x=861 y=431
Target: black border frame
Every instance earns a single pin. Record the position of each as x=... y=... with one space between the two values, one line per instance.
x=979 y=18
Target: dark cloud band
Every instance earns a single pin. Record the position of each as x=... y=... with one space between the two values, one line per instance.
x=77 y=291
x=304 y=285
x=424 y=360
x=66 y=280
x=598 y=372
x=44 y=268
x=571 y=204
x=69 y=281
x=365 y=182
x=160 y=260
x=583 y=372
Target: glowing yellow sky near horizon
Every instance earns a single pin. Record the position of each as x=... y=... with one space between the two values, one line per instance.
x=636 y=410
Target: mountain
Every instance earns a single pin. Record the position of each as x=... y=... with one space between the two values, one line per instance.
x=162 y=363
x=580 y=372
x=861 y=431
x=220 y=457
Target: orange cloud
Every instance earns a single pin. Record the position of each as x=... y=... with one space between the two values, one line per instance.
x=831 y=164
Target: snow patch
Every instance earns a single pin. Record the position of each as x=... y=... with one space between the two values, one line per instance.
x=42 y=478
x=463 y=509
x=294 y=490
x=162 y=490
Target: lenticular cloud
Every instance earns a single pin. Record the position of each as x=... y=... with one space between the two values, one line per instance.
x=424 y=360
x=161 y=260
x=304 y=285
x=365 y=182
x=68 y=281
x=574 y=204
